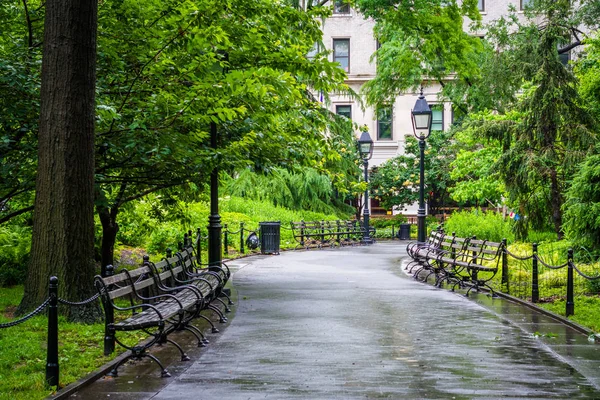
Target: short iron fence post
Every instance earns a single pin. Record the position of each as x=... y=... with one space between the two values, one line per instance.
x=504 y=282
x=302 y=226
x=52 y=351
x=225 y=240
x=535 y=288
x=199 y=245
x=393 y=236
x=570 y=302
x=190 y=238
x=474 y=274
x=242 y=238
x=109 y=334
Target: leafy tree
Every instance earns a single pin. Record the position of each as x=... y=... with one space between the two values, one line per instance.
x=239 y=64
x=551 y=133
x=396 y=182
x=242 y=67
x=476 y=179
x=422 y=38
x=582 y=204
x=20 y=76
x=302 y=190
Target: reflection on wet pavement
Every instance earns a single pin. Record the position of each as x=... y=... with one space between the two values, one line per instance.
x=348 y=324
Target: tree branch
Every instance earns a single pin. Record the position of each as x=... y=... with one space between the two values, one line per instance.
x=567 y=48
x=29 y=27
x=15 y=214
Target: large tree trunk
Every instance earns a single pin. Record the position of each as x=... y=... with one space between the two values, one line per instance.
x=63 y=230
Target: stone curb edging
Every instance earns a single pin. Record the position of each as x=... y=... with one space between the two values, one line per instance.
x=559 y=318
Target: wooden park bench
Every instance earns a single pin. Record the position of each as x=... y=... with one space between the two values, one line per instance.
x=461 y=262
x=157 y=299
x=328 y=233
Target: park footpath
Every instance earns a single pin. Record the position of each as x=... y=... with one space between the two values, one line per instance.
x=350 y=324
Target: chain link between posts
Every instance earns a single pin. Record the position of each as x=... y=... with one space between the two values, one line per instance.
x=32 y=314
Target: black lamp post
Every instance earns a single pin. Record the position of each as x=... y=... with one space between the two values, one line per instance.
x=214 y=219
x=365 y=148
x=421 y=119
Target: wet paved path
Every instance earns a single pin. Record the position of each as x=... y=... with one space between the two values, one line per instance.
x=349 y=324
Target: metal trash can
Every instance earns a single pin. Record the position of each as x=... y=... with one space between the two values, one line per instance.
x=404 y=232
x=270 y=237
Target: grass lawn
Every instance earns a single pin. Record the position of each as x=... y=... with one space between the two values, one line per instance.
x=587 y=310
x=23 y=349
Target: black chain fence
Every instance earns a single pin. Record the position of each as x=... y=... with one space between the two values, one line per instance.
x=27 y=317
x=51 y=303
x=547 y=274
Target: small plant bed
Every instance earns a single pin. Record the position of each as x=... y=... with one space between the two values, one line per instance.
x=23 y=361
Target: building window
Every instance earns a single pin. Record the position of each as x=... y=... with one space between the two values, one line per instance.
x=341 y=7
x=344 y=110
x=481 y=5
x=384 y=123
x=525 y=4
x=564 y=57
x=341 y=53
x=437 y=117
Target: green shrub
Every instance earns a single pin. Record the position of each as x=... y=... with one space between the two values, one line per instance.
x=520 y=275
x=593 y=285
x=15 y=244
x=165 y=235
x=485 y=225
x=394 y=221
x=541 y=236
x=554 y=280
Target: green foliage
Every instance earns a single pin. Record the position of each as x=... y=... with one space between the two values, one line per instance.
x=394 y=221
x=582 y=205
x=587 y=70
x=593 y=286
x=396 y=182
x=158 y=230
x=474 y=171
x=304 y=189
x=240 y=65
x=15 y=243
x=443 y=45
x=20 y=65
x=540 y=145
x=485 y=225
